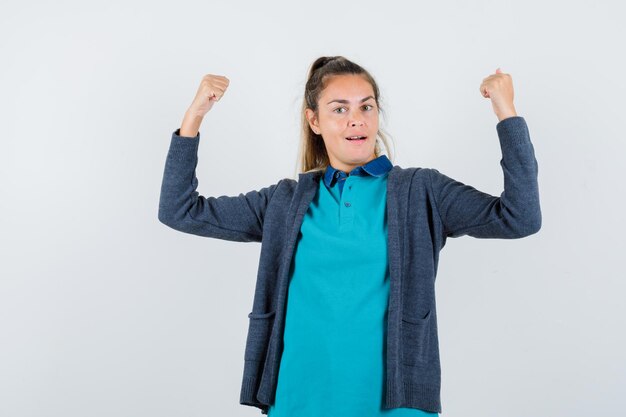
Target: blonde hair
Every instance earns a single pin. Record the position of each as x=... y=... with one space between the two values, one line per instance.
x=312 y=154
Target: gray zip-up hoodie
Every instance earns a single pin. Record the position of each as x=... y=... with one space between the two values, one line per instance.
x=424 y=207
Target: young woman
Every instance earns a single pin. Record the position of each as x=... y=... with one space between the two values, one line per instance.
x=344 y=316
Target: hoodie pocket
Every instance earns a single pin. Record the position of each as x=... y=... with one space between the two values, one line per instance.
x=259 y=331
x=415 y=340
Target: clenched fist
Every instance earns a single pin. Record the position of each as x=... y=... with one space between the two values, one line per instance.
x=211 y=89
x=499 y=88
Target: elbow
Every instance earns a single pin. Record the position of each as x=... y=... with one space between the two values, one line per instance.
x=531 y=227
x=166 y=221
x=531 y=230
x=165 y=217
x=171 y=222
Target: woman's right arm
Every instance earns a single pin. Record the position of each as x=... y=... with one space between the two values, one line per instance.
x=181 y=207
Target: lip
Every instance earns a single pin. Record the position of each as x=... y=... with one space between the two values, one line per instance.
x=359 y=142
x=356 y=134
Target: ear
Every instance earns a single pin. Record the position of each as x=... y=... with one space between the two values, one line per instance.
x=313 y=122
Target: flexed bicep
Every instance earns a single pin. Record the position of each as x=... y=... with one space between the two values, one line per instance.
x=237 y=218
x=516 y=213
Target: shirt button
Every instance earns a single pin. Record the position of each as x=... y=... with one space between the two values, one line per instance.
x=347 y=204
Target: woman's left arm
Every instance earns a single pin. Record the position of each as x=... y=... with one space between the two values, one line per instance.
x=464 y=210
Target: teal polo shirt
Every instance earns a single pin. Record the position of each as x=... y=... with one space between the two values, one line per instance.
x=333 y=359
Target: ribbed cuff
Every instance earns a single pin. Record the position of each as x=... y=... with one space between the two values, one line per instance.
x=413 y=395
x=184 y=146
x=513 y=131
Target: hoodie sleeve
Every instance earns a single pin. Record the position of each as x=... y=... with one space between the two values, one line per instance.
x=235 y=218
x=516 y=213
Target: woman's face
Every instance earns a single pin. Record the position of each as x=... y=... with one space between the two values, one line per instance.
x=347 y=107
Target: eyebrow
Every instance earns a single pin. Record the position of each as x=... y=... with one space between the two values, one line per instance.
x=346 y=101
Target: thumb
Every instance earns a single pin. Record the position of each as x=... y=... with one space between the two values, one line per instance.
x=498 y=71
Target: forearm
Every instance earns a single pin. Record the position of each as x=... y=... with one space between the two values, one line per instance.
x=191 y=124
x=505 y=114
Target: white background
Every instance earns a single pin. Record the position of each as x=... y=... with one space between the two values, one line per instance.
x=104 y=311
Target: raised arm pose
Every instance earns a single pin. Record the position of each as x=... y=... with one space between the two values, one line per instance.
x=344 y=319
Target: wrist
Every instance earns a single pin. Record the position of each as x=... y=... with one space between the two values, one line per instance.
x=191 y=124
x=506 y=114
x=193 y=114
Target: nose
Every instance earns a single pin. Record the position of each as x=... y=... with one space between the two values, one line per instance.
x=355 y=122
x=356 y=119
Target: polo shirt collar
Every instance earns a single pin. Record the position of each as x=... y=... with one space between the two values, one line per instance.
x=376 y=167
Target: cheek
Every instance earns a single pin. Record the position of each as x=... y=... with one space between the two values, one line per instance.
x=335 y=130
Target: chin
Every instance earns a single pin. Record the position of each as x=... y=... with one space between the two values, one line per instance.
x=362 y=156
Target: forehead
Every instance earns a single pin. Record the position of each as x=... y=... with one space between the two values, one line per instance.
x=347 y=86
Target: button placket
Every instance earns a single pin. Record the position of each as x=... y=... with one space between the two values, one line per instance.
x=346 y=210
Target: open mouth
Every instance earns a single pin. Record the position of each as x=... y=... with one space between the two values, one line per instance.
x=357 y=138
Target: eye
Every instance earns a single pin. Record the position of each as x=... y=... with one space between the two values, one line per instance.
x=339 y=108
